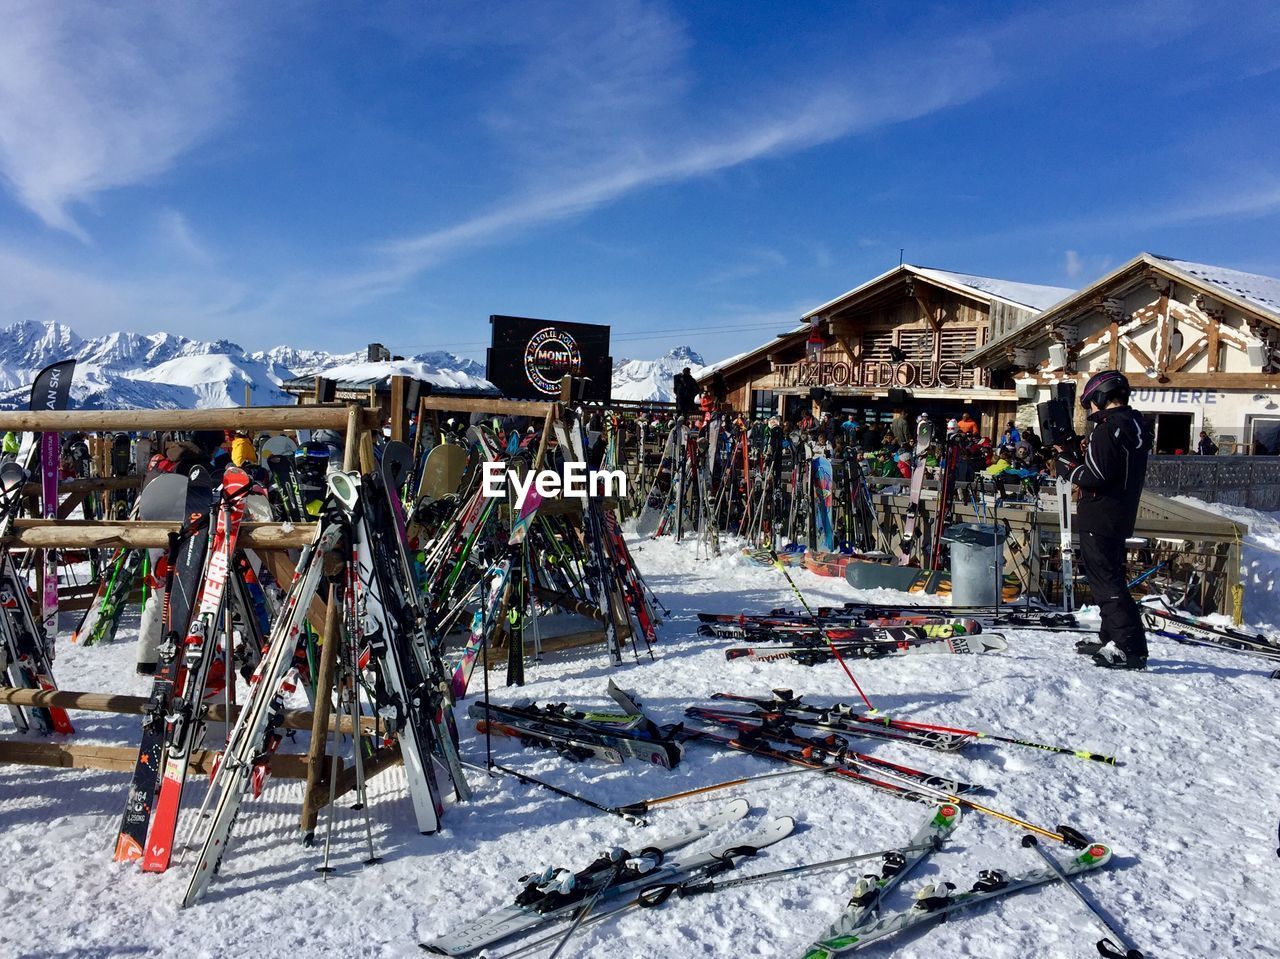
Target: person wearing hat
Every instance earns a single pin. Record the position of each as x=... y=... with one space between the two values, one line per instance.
x=1110 y=474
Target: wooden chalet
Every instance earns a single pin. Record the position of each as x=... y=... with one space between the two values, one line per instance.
x=1198 y=343
x=898 y=341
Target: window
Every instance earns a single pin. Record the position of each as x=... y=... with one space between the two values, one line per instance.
x=875 y=346
x=957 y=343
x=763 y=404
x=917 y=344
x=1262 y=435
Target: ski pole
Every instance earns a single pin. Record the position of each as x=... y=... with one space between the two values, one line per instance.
x=587 y=907
x=620 y=812
x=644 y=805
x=1065 y=750
x=697 y=889
x=1105 y=946
x=835 y=652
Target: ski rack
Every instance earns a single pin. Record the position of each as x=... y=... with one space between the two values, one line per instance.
x=552 y=412
x=1176 y=533
x=271 y=540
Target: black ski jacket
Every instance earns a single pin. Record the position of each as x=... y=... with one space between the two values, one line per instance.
x=1113 y=472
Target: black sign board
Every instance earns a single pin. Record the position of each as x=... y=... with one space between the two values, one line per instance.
x=528 y=357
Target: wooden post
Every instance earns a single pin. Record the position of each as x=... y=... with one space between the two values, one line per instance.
x=328 y=662
x=399 y=424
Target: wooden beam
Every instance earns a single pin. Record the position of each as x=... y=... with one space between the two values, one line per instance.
x=123 y=759
x=1211 y=344
x=97 y=485
x=483 y=404
x=592 y=637
x=1179 y=362
x=1137 y=351
x=137 y=706
x=93 y=534
x=257 y=417
x=1261 y=382
x=399 y=415
x=317 y=774
x=1164 y=335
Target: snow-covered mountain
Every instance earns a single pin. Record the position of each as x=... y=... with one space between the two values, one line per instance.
x=169 y=371
x=651 y=379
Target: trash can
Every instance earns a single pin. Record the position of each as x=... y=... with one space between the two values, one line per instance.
x=977 y=563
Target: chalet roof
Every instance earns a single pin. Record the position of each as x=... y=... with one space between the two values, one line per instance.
x=1261 y=291
x=1027 y=296
x=1254 y=294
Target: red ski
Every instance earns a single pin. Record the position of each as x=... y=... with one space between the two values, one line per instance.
x=198 y=651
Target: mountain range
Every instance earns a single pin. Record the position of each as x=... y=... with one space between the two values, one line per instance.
x=170 y=371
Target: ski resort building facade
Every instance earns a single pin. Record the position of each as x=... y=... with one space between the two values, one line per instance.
x=898 y=341
x=1200 y=345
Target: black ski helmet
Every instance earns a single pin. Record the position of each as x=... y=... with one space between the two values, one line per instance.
x=1104 y=387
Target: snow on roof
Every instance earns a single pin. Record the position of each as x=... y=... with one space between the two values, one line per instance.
x=730 y=360
x=1030 y=295
x=1262 y=291
x=367 y=374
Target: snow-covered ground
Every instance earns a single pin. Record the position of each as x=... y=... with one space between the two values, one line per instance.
x=1191 y=811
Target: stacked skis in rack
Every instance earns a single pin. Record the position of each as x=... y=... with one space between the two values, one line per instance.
x=27 y=639
x=393 y=687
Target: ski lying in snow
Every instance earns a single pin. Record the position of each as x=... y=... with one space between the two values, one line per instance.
x=757 y=746
x=882 y=630
x=869 y=891
x=563 y=743
x=829 y=617
x=1183 y=627
x=938 y=900
x=546 y=725
x=842 y=719
x=829 y=750
x=813 y=654
x=554 y=893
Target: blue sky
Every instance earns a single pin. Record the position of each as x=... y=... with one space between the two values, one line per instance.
x=326 y=174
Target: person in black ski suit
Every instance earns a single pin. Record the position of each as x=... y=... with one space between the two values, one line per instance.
x=685 y=388
x=1110 y=475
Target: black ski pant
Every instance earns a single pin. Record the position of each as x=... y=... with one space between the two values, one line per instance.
x=1103 y=559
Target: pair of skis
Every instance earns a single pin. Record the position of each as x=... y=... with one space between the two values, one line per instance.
x=615 y=881
x=610 y=736
x=863 y=922
x=173 y=724
x=816 y=651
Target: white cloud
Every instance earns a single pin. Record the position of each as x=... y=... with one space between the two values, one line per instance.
x=101 y=95
x=1072 y=264
x=584 y=148
x=174 y=231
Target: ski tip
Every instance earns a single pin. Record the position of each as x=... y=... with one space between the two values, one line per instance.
x=128 y=849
